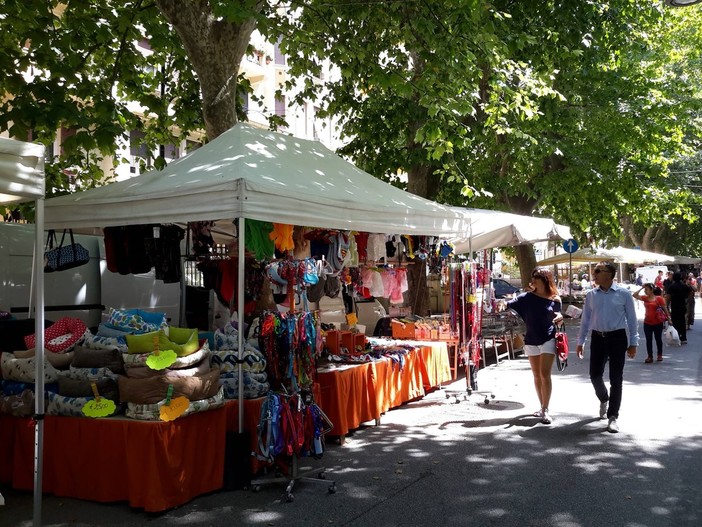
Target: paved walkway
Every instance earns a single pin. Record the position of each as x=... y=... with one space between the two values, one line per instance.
x=441 y=462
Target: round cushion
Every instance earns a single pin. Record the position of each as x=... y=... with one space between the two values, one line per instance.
x=61 y=336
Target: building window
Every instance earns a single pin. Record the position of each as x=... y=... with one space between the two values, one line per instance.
x=280 y=106
x=278 y=55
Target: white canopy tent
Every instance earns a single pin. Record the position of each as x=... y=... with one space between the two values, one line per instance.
x=257 y=174
x=616 y=255
x=682 y=260
x=22 y=179
x=249 y=173
x=492 y=228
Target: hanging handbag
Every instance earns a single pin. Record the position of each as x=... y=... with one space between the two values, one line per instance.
x=660 y=315
x=62 y=257
x=562 y=350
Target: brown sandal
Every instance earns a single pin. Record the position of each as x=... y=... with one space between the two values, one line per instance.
x=648 y=360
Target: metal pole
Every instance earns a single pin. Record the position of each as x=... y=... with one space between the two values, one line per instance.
x=38 y=274
x=240 y=316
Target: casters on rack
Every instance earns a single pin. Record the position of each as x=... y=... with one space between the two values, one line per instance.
x=294 y=476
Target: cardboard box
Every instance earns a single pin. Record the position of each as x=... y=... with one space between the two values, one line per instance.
x=403 y=330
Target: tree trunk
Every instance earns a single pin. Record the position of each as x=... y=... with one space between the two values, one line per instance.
x=215 y=48
x=527 y=262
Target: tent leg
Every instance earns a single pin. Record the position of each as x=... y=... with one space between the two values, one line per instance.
x=241 y=229
x=38 y=272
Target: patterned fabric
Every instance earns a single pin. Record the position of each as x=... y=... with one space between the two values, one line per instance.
x=61 y=336
x=135 y=321
x=87 y=374
x=23 y=370
x=226 y=360
x=253 y=388
x=132 y=360
x=100 y=343
x=151 y=412
x=16 y=387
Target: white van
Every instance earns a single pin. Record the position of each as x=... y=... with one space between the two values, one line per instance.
x=650 y=272
x=82 y=292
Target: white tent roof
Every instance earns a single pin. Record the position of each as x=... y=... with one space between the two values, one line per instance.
x=21 y=171
x=617 y=255
x=262 y=175
x=683 y=260
x=492 y=228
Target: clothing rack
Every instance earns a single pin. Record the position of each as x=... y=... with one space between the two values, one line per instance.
x=466 y=312
x=293 y=474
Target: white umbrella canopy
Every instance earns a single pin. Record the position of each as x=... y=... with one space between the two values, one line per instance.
x=683 y=260
x=616 y=255
x=493 y=228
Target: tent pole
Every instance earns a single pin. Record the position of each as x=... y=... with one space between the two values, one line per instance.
x=240 y=316
x=38 y=272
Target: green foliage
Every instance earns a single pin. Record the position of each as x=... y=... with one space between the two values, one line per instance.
x=569 y=109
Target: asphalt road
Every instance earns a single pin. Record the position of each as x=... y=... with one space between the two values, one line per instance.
x=441 y=462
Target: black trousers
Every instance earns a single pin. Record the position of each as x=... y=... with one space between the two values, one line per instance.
x=678 y=317
x=611 y=348
x=653 y=330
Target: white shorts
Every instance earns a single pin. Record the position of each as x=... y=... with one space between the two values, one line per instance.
x=534 y=351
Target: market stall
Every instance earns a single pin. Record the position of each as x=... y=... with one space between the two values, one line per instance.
x=248 y=175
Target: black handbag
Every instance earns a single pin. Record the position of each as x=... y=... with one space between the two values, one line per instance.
x=60 y=257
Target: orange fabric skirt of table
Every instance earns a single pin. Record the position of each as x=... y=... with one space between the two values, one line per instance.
x=354 y=394
x=152 y=465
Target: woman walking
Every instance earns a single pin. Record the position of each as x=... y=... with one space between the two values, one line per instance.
x=692 y=282
x=653 y=320
x=540 y=308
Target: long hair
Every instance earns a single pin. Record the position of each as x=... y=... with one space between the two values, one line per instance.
x=547 y=277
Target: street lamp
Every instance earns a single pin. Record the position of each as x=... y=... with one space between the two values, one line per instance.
x=681 y=3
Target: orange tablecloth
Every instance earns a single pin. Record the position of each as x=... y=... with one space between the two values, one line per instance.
x=152 y=465
x=354 y=394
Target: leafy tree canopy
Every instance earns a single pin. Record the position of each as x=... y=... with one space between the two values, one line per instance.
x=569 y=109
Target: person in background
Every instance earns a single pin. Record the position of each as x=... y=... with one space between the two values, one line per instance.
x=639 y=280
x=658 y=282
x=677 y=295
x=540 y=308
x=608 y=312
x=691 y=301
x=652 y=324
x=585 y=283
x=575 y=282
x=666 y=284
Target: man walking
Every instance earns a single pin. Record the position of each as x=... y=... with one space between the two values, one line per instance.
x=608 y=312
x=678 y=295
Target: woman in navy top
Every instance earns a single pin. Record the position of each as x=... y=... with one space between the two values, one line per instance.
x=540 y=308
